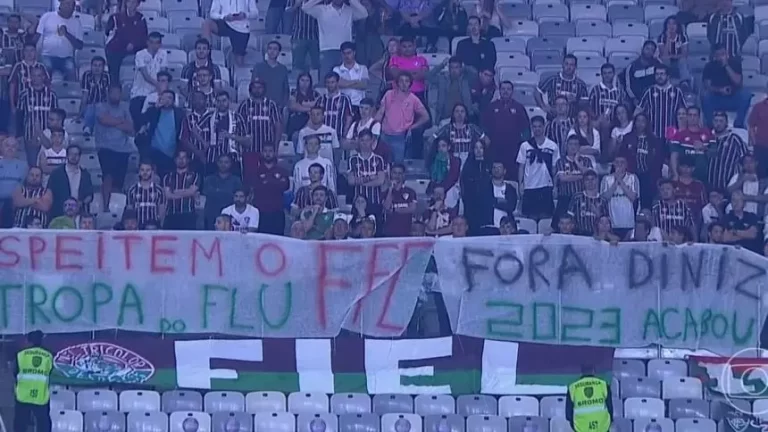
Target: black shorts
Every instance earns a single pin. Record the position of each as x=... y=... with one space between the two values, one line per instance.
x=538 y=202
x=239 y=41
x=115 y=165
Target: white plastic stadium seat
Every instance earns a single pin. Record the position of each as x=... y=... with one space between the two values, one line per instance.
x=552 y=406
x=224 y=402
x=148 y=421
x=559 y=424
x=182 y=400
x=266 y=401
x=467 y=405
x=529 y=225
x=434 y=404
x=388 y=421
x=310 y=403
x=483 y=423
x=66 y=421
x=97 y=399
x=139 y=400
x=62 y=399
x=274 y=422
x=304 y=422
x=221 y=420
x=511 y=406
x=635 y=408
x=695 y=425
x=666 y=424
x=681 y=387
x=760 y=408
x=350 y=403
x=177 y=420
x=663 y=368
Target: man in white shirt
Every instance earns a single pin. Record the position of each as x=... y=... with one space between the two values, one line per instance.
x=230 y=18
x=245 y=217
x=61 y=35
x=163 y=83
x=537 y=158
x=334 y=22
x=148 y=62
x=329 y=140
x=301 y=169
x=353 y=76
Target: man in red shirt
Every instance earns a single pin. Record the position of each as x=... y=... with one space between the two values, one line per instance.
x=691 y=191
x=506 y=124
x=693 y=142
x=269 y=182
x=399 y=205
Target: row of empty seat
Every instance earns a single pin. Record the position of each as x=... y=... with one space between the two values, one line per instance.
x=95 y=421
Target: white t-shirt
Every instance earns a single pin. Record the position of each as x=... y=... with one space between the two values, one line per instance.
x=749 y=187
x=54 y=44
x=247 y=219
x=301 y=173
x=371 y=124
x=536 y=174
x=595 y=143
x=709 y=214
x=499 y=192
x=358 y=72
x=153 y=64
x=620 y=132
x=328 y=140
x=620 y=208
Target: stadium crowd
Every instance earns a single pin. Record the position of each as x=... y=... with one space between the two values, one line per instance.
x=390 y=143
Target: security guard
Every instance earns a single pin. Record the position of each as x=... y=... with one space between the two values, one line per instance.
x=33 y=369
x=588 y=406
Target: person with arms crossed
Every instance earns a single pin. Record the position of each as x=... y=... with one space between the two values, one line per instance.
x=181 y=187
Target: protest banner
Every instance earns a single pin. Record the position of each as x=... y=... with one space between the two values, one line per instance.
x=577 y=291
x=206 y=282
x=453 y=364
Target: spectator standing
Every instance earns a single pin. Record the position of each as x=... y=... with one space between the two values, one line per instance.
x=453 y=88
x=225 y=132
x=95 y=85
x=452 y=19
x=301 y=171
x=70 y=180
x=399 y=205
x=565 y=83
x=621 y=189
x=673 y=49
x=725 y=157
x=337 y=107
x=728 y=28
x=476 y=51
x=445 y=172
x=475 y=191
x=35 y=103
x=219 y=188
x=61 y=34
x=587 y=206
x=127 y=34
x=461 y=135
x=305 y=39
x=483 y=91
x=622 y=125
x=202 y=60
x=661 y=102
x=269 y=182
x=329 y=140
x=588 y=134
x=694 y=141
x=366 y=121
x=204 y=86
x=32 y=199
x=20 y=80
x=51 y=157
x=644 y=153
x=723 y=81
x=400 y=113
x=13 y=172
x=409 y=61
x=279 y=19
x=367 y=173
x=231 y=19
x=163 y=84
x=640 y=75
x=181 y=187
x=113 y=130
x=569 y=176
x=301 y=101
x=335 y=27
x=191 y=137
x=15 y=37
x=605 y=97
x=537 y=158
x=561 y=125
x=303 y=198
x=148 y=62
x=741 y=225
x=353 y=77
x=245 y=217
x=506 y=123
x=263 y=123
x=691 y=191
x=758 y=134
x=273 y=75
x=160 y=132
x=146 y=197
x=412 y=18
x=750 y=184
x=670 y=212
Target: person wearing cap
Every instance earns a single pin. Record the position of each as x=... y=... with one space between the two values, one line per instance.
x=588 y=404
x=148 y=62
x=33 y=370
x=231 y=19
